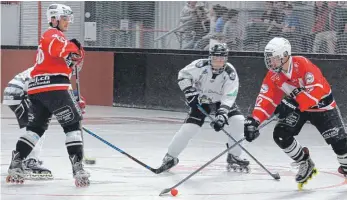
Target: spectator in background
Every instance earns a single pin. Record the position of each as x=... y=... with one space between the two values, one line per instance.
x=186 y=17
x=221 y=20
x=215 y=14
x=320 y=13
x=267 y=14
x=232 y=30
x=276 y=18
x=201 y=26
x=290 y=21
x=327 y=27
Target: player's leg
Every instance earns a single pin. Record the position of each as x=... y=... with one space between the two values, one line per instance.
x=331 y=127
x=288 y=126
x=32 y=162
x=192 y=126
x=37 y=125
x=236 y=126
x=66 y=109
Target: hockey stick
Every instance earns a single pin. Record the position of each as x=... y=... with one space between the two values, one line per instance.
x=209 y=162
x=156 y=171
x=276 y=176
x=87 y=160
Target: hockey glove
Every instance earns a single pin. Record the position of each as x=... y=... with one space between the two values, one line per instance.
x=192 y=97
x=287 y=106
x=220 y=120
x=76 y=42
x=251 y=129
x=82 y=102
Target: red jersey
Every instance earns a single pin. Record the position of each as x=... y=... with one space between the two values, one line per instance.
x=52 y=70
x=304 y=82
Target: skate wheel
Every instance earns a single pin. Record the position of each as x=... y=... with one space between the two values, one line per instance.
x=300 y=186
x=8 y=179
x=77 y=183
x=314 y=171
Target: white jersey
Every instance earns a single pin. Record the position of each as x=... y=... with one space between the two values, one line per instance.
x=211 y=87
x=17 y=88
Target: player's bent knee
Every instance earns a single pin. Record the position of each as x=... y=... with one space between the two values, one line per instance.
x=74 y=142
x=340 y=146
x=36 y=129
x=72 y=127
x=30 y=138
x=282 y=137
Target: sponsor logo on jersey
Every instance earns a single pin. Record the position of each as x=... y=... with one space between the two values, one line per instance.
x=309 y=78
x=264 y=88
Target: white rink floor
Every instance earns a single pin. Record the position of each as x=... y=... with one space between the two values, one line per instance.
x=145 y=135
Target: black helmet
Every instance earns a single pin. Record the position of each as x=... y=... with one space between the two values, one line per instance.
x=218 y=50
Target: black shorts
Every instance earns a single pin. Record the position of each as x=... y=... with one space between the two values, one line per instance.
x=329 y=123
x=61 y=103
x=197 y=117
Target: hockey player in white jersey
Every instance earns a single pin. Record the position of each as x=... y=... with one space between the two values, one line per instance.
x=209 y=82
x=15 y=96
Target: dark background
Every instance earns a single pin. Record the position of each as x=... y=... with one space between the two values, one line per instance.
x=149 y=79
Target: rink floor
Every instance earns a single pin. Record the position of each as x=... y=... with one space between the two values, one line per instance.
x=145 y=135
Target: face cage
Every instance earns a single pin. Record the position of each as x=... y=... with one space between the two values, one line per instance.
x=69 y=18
x=268 y=63
x=220 y=69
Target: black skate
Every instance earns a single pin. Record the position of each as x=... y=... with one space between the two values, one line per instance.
x=237 y=164
x=16 y=173
x=306 y=169
x=36 y=171
x=168 y=163
x=80 y=175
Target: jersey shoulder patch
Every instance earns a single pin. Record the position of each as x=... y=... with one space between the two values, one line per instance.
x=201 y=63
x=230 y=70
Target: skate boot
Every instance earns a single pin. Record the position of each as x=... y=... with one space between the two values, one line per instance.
x=16 y=173
x=168 y=163
x=80 y=175
x=306 y=169
x=237 y=164
x=36 y=171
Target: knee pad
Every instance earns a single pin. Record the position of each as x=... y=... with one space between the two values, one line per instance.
x=30 y=138
x=74 y=138
x=282 y=137
x=340 y=147
x=72 y=127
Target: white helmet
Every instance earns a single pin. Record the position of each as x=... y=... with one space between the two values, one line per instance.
x=58 y=11
x=274 y=53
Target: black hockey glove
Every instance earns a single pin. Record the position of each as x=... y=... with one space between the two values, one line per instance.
x=220 y=120
x=251 y=129
x=192 y=97
x=76 y=42
x=287 y=106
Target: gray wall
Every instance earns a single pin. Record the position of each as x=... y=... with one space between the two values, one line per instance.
x=10 y=15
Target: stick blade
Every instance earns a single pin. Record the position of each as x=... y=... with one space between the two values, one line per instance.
x=165 y=191
x=277 y=176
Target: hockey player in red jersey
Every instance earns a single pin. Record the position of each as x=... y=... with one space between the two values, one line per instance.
x=49 y=93
x=308 y=97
